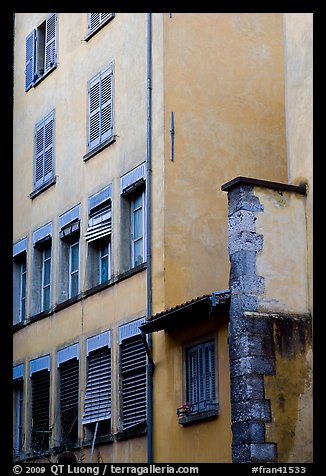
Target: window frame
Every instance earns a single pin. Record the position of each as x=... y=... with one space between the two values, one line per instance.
x=92 y=31
x=138 y=192
x=212 y=404
x=49 y=284
x=34 y=58
x=20 y=287
x=77 y=270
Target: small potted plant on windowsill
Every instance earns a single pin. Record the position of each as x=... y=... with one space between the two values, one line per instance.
x=184 y=410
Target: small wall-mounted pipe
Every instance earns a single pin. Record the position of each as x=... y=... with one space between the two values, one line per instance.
x=148 y=236
x=172 y=136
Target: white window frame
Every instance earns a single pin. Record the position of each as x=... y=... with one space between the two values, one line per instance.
x=103 y=256
x=136 y=194
x=43 y=286
x=71 y=272
x=23 y=288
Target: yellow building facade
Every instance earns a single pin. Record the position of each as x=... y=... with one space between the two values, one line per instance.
x=126 y=126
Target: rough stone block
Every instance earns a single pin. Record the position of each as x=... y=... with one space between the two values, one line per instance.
x=247 y=387
x=252 y=365
x=257 y=410
x=263 y=452
x=242 y=220
x=245 y=240
x=248 y=432
x=243 y=263
x=248 y=285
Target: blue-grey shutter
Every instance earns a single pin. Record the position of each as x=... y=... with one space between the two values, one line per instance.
x=50 y=41
x=44 y=150
x=106 y=104
x=30 y=59
x=48 y=147
x=98 y=388
x=201 y=379
x=133 y=369
x=39 y=155
x=94 y=20
x=94 y=104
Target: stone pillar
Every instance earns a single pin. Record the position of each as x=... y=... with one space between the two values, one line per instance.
x=250 y=337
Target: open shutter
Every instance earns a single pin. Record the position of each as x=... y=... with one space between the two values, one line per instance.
x=40 y=409
x=48 y=147
x=39 y=155
x=50 y=42
x=30 y=59
x=99 y=224
x=133 y=368
x=69 y=393
x=94 y=112
x=106 y=104
x=98 y=388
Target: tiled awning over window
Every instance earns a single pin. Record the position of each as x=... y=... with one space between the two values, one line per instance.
x=200 y=307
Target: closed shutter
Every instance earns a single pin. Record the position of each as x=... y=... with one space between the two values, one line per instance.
x=69 y=393
x=201 y=371
x=44 y=150
x=98 y=388
x=50 y=42
x=40 y=409
x=94 y=21
x=106 y=104
x=100 y=94
x=30 y=59
x=94 y=112
x=133 y=369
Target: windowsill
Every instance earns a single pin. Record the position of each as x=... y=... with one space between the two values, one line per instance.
x=40 y=79
x=99 y=148
x=206 y=415
x=93 y=32
x=83 y=295
x=140 y=429
x=43 y=187
x=109 y=438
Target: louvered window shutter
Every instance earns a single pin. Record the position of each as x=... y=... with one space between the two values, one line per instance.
x=99 y=223
x=133 y=368
x=94 y=112
x=98 y=388
x=40 y=409
x=44 y=150
x=106 y=104
x=201 y=380
x=69 y=393
x=100 y=94
x=30 y=59
x=94 y=21
x=50 y=42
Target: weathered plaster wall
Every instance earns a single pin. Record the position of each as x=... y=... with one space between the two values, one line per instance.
x=282 y=261
x=298 y=51
x=290 y=390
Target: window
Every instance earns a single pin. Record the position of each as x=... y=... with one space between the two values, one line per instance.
x=201 y=380
x=133 y=375
x=69 y=254
x=68 y=363
x=97 y=20
x=40 y=380
x=137 y=228
x=98 y=237
x=97 y=407
x=41 y=284
x=18 y=410
x=44 y=151
x=73 y=269
x=133 y=246
x=100 y=108
x=19 y=281
x=41 y=51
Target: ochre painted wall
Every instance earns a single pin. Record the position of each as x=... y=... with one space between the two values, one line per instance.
x=224 y=81
x=206 y=441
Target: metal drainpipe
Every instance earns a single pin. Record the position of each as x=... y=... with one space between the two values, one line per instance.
x=150 y=364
